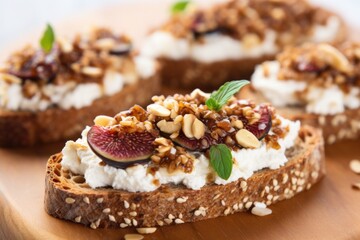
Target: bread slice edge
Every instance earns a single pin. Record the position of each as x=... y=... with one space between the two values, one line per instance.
x=67 y=196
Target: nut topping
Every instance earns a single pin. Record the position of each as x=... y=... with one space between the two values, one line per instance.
x=158 y=110
x=92 y=71
x=247 y=139
x=334 y=57
x=168 y=127
x=104 y=121
x=198 y=129
x=187 y=125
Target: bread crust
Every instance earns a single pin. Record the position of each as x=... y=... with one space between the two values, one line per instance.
x=335 y=128
x=68 y=198
x=190 y=74
x=20 y=128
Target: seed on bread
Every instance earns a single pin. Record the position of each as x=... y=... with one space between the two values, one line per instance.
x=86 y=200
x=78 y=219
x=69 y=200
x=99 y=200
x=112 y=218
x=106 y=210
x=168 y=221
x=355 y=166
x=134 y=222
x=181 y=199
x=248 y=205
x=178 y=221
x=123 y=225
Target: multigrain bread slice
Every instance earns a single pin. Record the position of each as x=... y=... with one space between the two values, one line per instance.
x=46 y=96
x=185 y=73
x=318 y=84
x=21 y=128
x=203 y=48
x=68 y=197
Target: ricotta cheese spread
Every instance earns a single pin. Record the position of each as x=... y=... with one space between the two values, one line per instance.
x=70 y=94
x=325 y=101
x=215 y=47
x=80 y=159
x=219 y=47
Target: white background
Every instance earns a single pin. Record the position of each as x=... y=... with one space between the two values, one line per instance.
x=20 y=17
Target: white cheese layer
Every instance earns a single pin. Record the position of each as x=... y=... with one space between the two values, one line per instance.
x=215 y=47
x=219 y=47
x=72 y=95
x=326 y=101
x=328 y=32
x=80 y=159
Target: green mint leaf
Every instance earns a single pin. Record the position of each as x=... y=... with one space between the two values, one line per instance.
x=220 y=97
x=48 y=39
x=180 y=6
x=221 y=160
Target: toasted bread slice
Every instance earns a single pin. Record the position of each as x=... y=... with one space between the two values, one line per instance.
x=68 y=197
x=334 y=127
x=187 y=44
x=51 y=96
x=22 y=128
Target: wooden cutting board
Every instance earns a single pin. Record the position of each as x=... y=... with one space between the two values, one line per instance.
x=330 y=210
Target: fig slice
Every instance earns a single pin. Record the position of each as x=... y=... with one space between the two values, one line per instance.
x=119 y=148
x=195 y=144
x=263 y=126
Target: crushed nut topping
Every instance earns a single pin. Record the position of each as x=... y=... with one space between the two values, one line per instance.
x=189 y=127
x=248 y=20
x=85 y=59
x=321 y=65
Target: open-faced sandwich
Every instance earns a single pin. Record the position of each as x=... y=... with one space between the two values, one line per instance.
x=182 y=159
x=317 y=84
x=207 y=47
x=52 y=93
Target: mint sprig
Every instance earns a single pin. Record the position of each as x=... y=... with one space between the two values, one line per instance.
x=220 y=97
x=221 y=160
x=48 y=38
x=180 y=6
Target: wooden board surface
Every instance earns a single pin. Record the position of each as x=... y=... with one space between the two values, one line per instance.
x=330 y=210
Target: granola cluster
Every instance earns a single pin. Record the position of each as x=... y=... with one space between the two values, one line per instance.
x=84 y=60
x=182 y=124
x=322 y=65
x=248 y=20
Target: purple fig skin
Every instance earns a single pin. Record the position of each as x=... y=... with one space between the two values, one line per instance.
x=194 y=144
x=120 y=149
x=261 y=128
x=303 y=66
